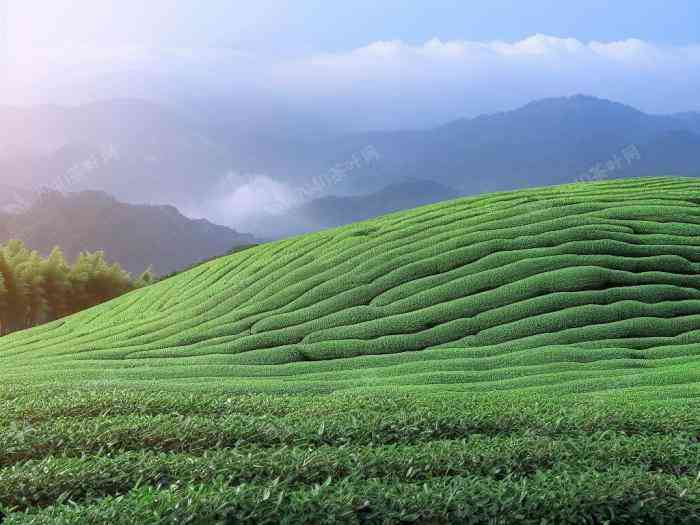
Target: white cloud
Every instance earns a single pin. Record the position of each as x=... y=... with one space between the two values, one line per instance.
x=245 y=198
x=397 y=84
x=439 y=79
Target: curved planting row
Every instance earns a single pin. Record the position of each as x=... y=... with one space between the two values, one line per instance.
x=575 y=288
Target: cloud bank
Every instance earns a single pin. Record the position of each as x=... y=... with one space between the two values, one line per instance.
x=388 y=84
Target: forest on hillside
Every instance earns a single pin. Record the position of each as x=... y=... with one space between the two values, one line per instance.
x=35 y=289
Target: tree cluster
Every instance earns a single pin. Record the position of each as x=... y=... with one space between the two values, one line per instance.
x=36 y=290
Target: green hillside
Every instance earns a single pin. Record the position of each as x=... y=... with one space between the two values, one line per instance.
x=582 y=287
x=521 y=357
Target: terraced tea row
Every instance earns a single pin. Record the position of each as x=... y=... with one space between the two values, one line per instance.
x=90 y=456
x=575 y=288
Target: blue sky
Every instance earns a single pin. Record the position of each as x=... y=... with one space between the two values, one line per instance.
x=363 y=64
x=352 y=24
x=318 y=25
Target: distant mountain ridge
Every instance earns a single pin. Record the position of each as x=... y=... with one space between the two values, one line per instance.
x=141 y=152
x=545 y=142
x=334 y=211
x=136 y=236
x=135 y=150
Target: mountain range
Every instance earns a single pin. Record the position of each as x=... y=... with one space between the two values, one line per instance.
x=136 y=236
x=331 y=211
x=145 y=153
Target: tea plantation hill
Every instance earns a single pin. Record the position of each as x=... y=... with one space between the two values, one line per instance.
x=571 y=288
x=521 y=357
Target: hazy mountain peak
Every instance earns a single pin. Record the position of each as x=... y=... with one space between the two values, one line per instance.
x=134 y=235
x=579 y=102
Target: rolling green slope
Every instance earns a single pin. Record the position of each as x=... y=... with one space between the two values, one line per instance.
x=517 y=358
x=574 y=288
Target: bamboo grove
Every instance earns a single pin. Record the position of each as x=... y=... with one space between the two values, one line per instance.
x=36 y=290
